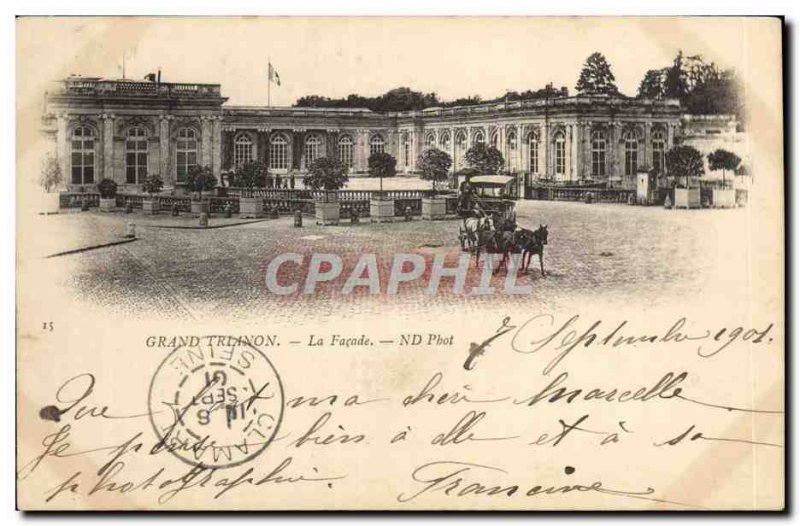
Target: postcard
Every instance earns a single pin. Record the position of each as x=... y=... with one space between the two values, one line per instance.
x=398 y=263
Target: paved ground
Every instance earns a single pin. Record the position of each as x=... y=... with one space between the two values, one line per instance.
x=602 y=252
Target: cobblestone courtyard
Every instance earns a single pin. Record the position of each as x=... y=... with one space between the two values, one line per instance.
x=595 y=251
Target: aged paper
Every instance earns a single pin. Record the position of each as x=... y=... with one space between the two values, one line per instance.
x=580 y=317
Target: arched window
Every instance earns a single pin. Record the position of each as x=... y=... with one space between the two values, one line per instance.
x=278 y=152
x=346 y=150
x=406 y=144
x=430 y=141
x=631 y=152
x=598 y=154
x=313 y=144
x=186 y=152
x=82 y=149
x=478 y=138
x=560 y=152
x=493 y=140
x=444 y=141
x=461 y=140
x=534 y=152
x=511 y=140
x=135 y=155
x=242 y=149
x=659 y=148
x=376 y=144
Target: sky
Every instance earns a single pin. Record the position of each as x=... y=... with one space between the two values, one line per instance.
x=453 y=57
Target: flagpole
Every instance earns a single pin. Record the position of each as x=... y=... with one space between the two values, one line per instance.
x=269 y=82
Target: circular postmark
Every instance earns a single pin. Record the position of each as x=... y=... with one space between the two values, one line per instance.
x=215 y=406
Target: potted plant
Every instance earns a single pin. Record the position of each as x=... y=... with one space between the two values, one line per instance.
x=435 y=165
x=723 y=197
x=49 y=179
x=152 y=185
x=683 y=163
x=381 y=165
x=199 y=179
x=108 y=195
x=329 y=175
x=251 y=175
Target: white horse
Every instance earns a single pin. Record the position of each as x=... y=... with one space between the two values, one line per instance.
x=471 y=228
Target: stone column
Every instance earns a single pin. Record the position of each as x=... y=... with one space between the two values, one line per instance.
x=613 y=149
x=164 y=154
x=573 y=152
x=519 y=152
x=107 y=170
x=205 y=136
x=62 y=148
x=544 y=143
x=216 y=146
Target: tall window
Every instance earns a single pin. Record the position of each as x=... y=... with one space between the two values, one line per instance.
x=82 y=155
x=278 y=152
x=478 y=138
x=494 y=138
x=560 y=152
x=406 y=140
x=598 y=154
x=313 y=144
x=346 y=150
x=242 y=149
x=631 y=152
x=135 y=155
x=461 y=141
x=659 y=146
x=444 y=141
x=186 y=152
x=376 y=144
x=430 y=141
x=511 y=140
x=534 y=152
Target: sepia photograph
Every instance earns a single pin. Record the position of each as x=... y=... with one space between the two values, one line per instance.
x=400 y=263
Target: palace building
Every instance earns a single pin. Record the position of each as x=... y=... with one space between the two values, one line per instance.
x=125 y=129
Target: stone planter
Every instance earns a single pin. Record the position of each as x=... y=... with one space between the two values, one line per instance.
x=327 y=213
x=51 y=202
x=687 y=198
x=108 y=205
x=199 y=207
x=723 y=197
x=434 y=208
x=381 y=211
x=251 y=207
x=151 y=206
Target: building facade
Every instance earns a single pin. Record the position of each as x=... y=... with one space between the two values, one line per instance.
x=124 y=130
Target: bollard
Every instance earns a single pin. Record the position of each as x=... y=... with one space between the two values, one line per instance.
x=203 y=220
x=298 y=219
x=130 y=233
x=175 y=211
x=408 y=215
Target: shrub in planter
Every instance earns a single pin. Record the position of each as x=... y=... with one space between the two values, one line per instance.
x=152 y=185
x=108 y=194
x=435 y=165
x=49 y=179
x=329 y=175
x=251 y=175
x=198 y=180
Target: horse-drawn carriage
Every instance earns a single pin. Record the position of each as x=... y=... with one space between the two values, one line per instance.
x=489 y=222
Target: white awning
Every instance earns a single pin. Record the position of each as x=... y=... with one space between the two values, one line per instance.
x=500 y=180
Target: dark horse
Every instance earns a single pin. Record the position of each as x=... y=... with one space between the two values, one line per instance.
x=500 y=238
x=532 y=242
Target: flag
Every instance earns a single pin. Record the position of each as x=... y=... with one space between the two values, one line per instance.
x=273 y=75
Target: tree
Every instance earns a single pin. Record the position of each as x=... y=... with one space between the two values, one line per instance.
x=51 y=175
x=382 y=165
x=654 y=84
x=200 y=178
x=596 y=77
x=723 y=160
x=435 y=165
x=252 y=174
x=326 y=173
x=486 y=159
x=684 y=161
